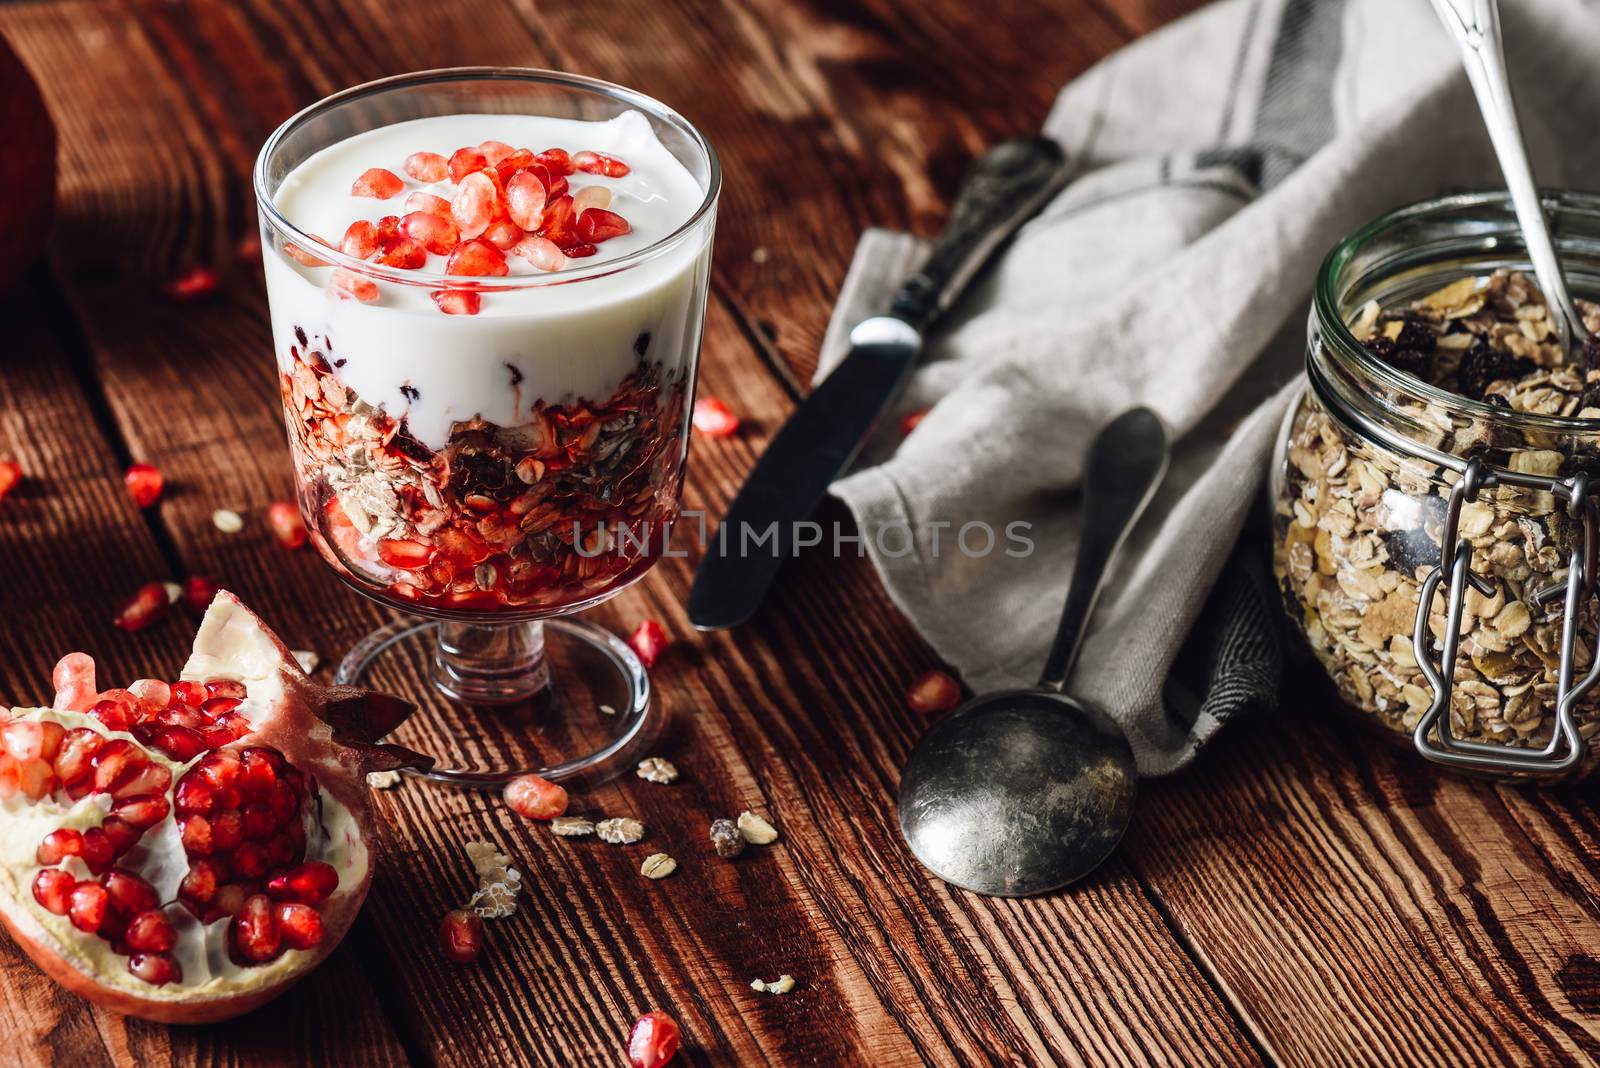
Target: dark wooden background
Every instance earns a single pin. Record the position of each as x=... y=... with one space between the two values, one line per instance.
x=1302 y=896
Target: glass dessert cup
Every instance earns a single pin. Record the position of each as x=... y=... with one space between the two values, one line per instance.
x=497 y=471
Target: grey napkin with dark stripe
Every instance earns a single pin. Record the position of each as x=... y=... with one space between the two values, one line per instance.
x=1217 y=161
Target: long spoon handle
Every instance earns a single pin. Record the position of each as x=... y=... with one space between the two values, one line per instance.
x=1126 y=464
x=1475 y=25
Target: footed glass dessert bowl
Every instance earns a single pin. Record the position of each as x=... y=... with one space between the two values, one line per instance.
x=487 y=290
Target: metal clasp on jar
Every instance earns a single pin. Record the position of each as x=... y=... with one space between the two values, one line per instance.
x=1433 y=736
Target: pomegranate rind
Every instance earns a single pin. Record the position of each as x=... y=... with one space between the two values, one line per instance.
x=284 y=707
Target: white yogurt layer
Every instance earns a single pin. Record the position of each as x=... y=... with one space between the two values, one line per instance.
x=555 y=343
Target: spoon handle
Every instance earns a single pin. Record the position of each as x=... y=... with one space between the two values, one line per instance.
x=1475 y=25
x=1126 y=463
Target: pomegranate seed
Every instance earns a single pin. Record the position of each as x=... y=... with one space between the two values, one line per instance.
x=157 y=969
x=465 y=161
x=77 y=751
x=525 y=196
x=198 y=593
x=52 y=888
x=190 y=693
x=227 y=829
x=58 y=845
x=295 y=252
x=541 y=252
x=128 y=892
x=34 y=778
x=933 y=691
x=581 y=250
x=249 y=860
x=427 y=166
x=503 y=233
x=495 y=151
x=404 y=254
x=116 y=763
x=597 y=224
x=193 y=795
x=151 y=932
x=149 y=778
x=113 y=714
x=86 y=906
x=591 y=196
x=377 y=183
x=600 y=163
x=474 y=205
x=348 y=284
x=649 y=640
x=283 y=519
x=144 y=484
x=24 y=739
x=912 y=420
x=477 y=257
x=518 y=160
x=145 y=811
x=145 y=607
x=230 y=899
x=427 y=204
x=121 y=834
x=461 y=935
x=73 y=679
x=253 y=935
x=360 y=240
x=10 y=475
x=98 y=850
x=195 y=833
x=180 y=716
x=258 y=822
x=230 y=687
x=195 y=282
x=179 y=743
x=153 y=695
x=457 y=301
x=200 y=884
x=653 y=1040
x=310 y=883
x=560 y=222
x=534 y=798
x=714 y=419
x=557 y=160
x=300 y=925
x=435 y=233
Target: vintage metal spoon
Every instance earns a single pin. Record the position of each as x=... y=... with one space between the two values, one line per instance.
x=1024 y=791
x=1475 y=25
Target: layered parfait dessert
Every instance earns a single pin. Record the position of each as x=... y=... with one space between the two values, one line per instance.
x=486 y=395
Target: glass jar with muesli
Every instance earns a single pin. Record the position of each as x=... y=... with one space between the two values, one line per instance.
x=1433 y=489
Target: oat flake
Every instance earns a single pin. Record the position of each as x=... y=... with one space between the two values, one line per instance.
x=174 y=591
x=307 y=660
x=383 y=780
x=756 y=830
x=227 y=520
x=571 y=826
x=658 y=866
x=621 y=830
x=781 y=985
x=656 y=769
x=498 y=884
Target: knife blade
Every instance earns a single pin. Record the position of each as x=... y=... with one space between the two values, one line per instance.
x=1005 y=188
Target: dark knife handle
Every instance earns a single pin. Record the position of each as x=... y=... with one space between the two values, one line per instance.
x=1004 y=189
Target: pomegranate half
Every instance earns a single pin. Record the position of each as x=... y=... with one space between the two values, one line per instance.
x=184 y=852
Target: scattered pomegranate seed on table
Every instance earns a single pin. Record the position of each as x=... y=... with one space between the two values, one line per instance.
x=198 y=593
x=713 y=418
x=933 y=691
x=649 y=640
x=912 y=420
x=288 y=528
x=195 y=282
x=461 y=935
x=534 y=798
x=653 y=1040
x=148 y=605
x=377 y=182
x=144 y=482
x=10 y=477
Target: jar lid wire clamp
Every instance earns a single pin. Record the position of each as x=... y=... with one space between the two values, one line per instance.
x=1432 y=736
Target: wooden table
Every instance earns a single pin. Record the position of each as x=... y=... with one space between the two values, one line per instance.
x=1302 y=895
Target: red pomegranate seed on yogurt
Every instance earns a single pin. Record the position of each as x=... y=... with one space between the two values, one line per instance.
x=912 y=420
x=591 y=196
x=457 y=301
x=933 y=691
x=427 y=166
x=557 y=160
x=649 y=640
x=475 y=204
x=714 y=419
x=283 y=519
x=377 y=183
x=495 y=151
x=559 y=223
x=348 y=284
x=10 y=476
x=581 y=250
x=534 y=798
x=144 y=483
x=600 y=163
x=513 y=163
x=145 y=607
x=477 y=257
x=427 y=202
x=295 y=252
x=597 y=224
x=653 y=1040
x=503 y=234
x=435 y=233
x=360 y=240
x=198 y=593
x=541 y=252
x=195 y=282
x=403 y=253
x=525 y=195
x=465 y=161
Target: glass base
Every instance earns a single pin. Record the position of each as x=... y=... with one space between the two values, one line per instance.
x=564 y=700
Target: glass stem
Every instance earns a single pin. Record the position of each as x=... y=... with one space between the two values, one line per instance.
x=491 y=664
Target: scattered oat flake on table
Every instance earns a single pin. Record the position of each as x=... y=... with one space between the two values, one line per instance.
x=607 y=710
x=227 y=520
x=726 y=839
x=658 y=866
x=383 y=780
x=571 y=826
x=656 y=769
x=498 y=883
x=307 y=659
x=756 y=830
x=174 y=591
x=620 y=830
x=781 y=985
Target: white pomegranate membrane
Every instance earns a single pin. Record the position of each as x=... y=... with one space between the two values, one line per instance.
x=479 y=450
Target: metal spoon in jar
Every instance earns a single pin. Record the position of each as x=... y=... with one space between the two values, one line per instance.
x=1475 y=25
x=1025 y=791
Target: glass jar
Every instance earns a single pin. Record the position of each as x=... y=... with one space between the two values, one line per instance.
x=1483 y=654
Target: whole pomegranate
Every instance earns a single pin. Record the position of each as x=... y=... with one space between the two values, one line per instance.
x=27 y=168
x=185 y=851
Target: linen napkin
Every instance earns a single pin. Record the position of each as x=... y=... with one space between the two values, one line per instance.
x=1216 y=162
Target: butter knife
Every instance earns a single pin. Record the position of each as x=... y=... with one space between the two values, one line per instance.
x=1004 y=189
